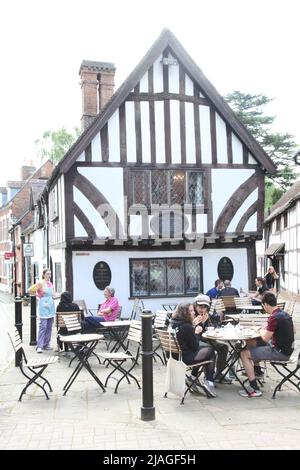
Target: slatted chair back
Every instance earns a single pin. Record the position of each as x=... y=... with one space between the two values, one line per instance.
x=242 y=303
x=290 y=306
x=160 y=320
x=217 y=305
x=16 y=341
x=135 y=331
x=170 y=344
x=34 y=367
x=69 y=320
x=229 y=302
x=281 y=305
x=253 y=320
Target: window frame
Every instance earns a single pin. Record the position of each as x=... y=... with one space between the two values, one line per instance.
x=167 y=294
x=186 y=171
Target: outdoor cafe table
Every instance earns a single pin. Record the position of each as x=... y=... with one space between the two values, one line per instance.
x=118 y=331
x=233 y=338
x=82 y=345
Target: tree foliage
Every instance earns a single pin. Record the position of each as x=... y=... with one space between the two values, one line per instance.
x=280 y=147
x=54 y=144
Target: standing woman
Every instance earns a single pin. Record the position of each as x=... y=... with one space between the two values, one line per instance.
x=46 y=310
x=271 y=277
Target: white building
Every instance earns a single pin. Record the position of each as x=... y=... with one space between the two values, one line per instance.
x=164 y=190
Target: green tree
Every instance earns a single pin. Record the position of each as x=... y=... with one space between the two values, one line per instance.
x=280 y=147
x=54 y=144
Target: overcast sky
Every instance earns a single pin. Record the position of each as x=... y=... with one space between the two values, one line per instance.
x=251 y=46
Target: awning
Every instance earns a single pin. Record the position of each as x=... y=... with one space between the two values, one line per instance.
x=275 y=249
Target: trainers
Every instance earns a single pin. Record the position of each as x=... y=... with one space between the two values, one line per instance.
x=192 y=386
x=39 y=350
x=223 y=380
x=210 y=388
x=250 y=393
x=48 y=348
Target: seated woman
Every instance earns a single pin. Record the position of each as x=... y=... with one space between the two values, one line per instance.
x=108 y=311
x=187 y=336
x=201 y=318
x=66 y=304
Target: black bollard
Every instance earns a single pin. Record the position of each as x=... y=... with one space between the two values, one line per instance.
x=32 y=320
x=18 y=325
x=147 y=410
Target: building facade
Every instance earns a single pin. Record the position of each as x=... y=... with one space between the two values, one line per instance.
x=164 y=190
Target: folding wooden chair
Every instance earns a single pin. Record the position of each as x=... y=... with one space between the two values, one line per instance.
x=72 y=322
x=170 y=345
x=288 y=370
x=35 y=367
x=118 y=359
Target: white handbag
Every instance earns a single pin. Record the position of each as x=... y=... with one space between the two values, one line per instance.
x=175 y=378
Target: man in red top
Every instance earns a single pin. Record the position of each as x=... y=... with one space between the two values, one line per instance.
x=275 y=343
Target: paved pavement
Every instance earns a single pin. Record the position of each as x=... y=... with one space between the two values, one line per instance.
x=87 y=418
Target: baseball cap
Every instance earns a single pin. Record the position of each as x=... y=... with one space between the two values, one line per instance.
x=202 y=299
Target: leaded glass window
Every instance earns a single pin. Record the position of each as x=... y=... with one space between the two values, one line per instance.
x=163 y=277
x=159 y=187
x=140 y=187
x=195 y=188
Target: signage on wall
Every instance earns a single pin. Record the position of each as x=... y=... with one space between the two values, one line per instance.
x=8 y=255
x=102 y=275
x=28 y=249
x=225 y=269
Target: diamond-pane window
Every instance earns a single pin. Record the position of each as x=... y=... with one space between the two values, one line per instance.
x=159 y=187
x=139 y=277
x=195 y=188
x=175 y=276
x=177 y=187
x=140 y=187
x=192 y=276
x=157 y=277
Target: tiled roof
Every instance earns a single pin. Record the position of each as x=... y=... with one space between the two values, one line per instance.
x=285 y=201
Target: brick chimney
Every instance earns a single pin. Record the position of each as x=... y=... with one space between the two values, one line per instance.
x=27 y=171
x=97 y=85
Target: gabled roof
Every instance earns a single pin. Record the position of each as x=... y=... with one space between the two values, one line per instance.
x=285 y=201
x=36 y=190
x=166 y=39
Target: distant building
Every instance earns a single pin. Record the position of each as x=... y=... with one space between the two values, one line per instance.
x=281 y=244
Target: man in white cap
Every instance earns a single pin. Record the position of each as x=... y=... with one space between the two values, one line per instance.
x=201 y=307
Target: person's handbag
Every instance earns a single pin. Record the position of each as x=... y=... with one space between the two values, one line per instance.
x=175 y=378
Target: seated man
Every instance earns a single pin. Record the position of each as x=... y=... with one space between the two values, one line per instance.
x=215 y=291
x=261 y=288
x=275 y=343
x=108 y=311
x=228 y=291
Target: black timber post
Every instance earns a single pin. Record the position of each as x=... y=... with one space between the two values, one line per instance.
x=147 y=410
